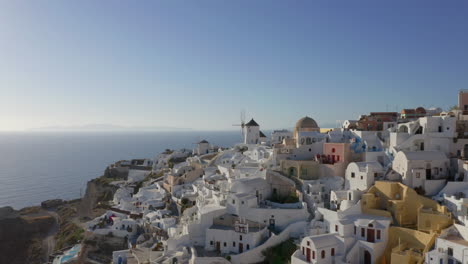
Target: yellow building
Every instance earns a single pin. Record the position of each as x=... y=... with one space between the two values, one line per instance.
x=417 y=220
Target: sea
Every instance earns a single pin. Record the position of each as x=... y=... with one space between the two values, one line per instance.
x=37 y=166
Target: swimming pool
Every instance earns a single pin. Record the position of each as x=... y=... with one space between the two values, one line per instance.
x=69 y=255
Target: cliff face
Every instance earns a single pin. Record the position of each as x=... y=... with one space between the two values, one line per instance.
x=22 y=234
x=97 y=190
x=30 y=235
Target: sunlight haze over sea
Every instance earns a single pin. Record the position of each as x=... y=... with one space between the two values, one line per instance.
x=36 y=166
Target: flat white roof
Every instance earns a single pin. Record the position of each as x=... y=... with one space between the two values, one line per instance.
x=424 y=155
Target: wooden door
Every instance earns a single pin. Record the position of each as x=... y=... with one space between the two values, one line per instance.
x=370 y=235
x=241 y=247
x=218 y=246
x=308 y=254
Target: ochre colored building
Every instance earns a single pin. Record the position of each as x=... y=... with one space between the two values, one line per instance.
x=417 y=220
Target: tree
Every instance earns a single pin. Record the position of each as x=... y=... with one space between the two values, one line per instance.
x=184 y=201
x=280 y=253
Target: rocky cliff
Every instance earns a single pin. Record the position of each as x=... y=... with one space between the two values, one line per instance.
x=32 y=234
x=23 y=233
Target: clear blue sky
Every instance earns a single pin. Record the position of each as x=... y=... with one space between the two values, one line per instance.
x=197 y=63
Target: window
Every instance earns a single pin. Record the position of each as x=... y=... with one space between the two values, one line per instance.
x=240 y=238
x=323 y=254
x=333 y=150
x=337 y=157
x=234 y=244
x=248 y=246
x=225 y=244
x=353 y=174
x=313 y=254
x=336 y=228
x=378 y=234
x=233 y=201
x=363 y=232
x=450 y=251
x=242 y=202
x=302 y=250
x=362 y=178
x=333 y=252
x=308 y=243
x=355 y=230
x=418 y=175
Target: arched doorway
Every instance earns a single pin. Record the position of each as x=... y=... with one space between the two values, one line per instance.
x=292 y=172
x=367 y=257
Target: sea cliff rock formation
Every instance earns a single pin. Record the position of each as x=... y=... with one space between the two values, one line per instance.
x=35 y=234
x=25 y=235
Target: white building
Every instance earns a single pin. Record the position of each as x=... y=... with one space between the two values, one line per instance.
x=317 y=192
x=361 y=175
x=136 y=175
x=259 y=153
x=251 y=132
x=455 y=197
x=232 y=234
x=344 y=199
x=277 y=136
x=430 y=133
x=307 y=138
x=352 y=237
x=248 y=198
x=203 y=147
x=422 y=169
x=112 y=222
x=349 y=124
x=450 y=247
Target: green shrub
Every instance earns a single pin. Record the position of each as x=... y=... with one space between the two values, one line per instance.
x=280 y=253
x=184 y=201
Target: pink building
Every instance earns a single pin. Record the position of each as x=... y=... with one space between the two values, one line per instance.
x=336 y=153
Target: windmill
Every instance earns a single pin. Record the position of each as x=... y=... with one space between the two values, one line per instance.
x=242 y=122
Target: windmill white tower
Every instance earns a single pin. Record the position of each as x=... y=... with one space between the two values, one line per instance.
x=251 y=132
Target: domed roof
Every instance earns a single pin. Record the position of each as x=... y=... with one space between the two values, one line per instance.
x=306 y=122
